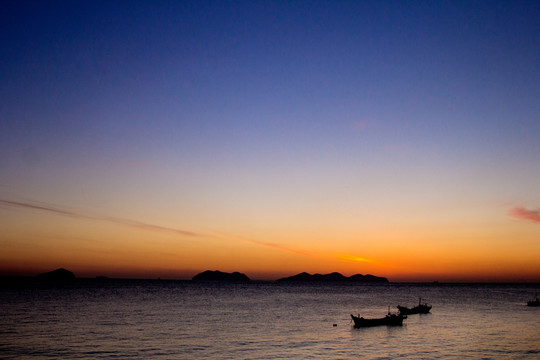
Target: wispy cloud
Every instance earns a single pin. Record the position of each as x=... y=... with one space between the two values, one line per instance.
x=284 y=248
x=280 y=247
x=522 y=213
x=353 y=258
x=42 y=207
x=142 y=225
x=263 y=243
x=120 y=221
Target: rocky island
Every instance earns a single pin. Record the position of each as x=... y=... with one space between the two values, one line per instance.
x=334 y=277
x=56 y=275
x=217 y=275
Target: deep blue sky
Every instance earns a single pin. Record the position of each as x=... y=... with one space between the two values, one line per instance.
x=316 y=65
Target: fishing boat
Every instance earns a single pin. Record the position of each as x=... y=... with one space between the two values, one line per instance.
x=419 y=309
x=390 y=320
x=535 y=302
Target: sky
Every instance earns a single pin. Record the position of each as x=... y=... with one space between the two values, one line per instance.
x=163 y=138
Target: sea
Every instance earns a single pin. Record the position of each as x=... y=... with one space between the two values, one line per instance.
x=160 y=319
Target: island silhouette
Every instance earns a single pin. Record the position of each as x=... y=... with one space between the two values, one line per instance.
x=334 y=277
x=60 y=274
x=217 y=275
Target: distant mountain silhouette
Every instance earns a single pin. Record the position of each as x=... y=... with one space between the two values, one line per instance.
x=56 y=275
x=334 y=277
x=217 y=275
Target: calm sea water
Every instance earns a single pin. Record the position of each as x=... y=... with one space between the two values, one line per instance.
x=185 y=320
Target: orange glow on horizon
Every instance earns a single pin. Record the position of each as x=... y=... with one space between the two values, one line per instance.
x=95 y=246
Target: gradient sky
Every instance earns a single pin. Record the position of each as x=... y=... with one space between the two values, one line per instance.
x=163 y=138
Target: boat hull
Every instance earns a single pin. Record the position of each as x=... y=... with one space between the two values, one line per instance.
x=389 y=320
x=420 y=309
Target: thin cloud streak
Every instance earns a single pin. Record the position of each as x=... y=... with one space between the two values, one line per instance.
x=158 y=228
x=143 y=226
x=352 y=258
x=120 y=221
x=281 y=247
x=262 y=243
x=41 y=207
x=522 y=213
x=151 y=227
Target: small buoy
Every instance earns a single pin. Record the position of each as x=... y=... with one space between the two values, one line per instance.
x=335 y=325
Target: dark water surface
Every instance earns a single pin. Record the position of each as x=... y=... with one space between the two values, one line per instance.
x=185 y=320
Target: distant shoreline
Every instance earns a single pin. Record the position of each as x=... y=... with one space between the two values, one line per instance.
x=62 y=276
x=9 y=281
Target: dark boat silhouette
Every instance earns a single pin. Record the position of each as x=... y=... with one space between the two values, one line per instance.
x=419 y=309
x=389 y=319
x=535 y=302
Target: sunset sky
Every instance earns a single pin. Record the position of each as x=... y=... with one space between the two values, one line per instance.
x=164 y=138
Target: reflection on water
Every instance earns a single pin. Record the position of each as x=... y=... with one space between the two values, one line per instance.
x=166 y=319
